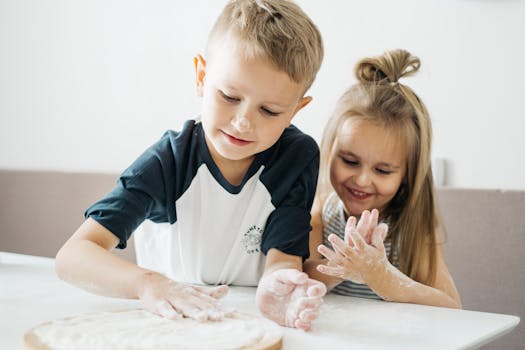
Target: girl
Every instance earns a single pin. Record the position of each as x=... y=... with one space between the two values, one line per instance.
x=375 y=166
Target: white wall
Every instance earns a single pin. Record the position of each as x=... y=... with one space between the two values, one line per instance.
x=88 y=85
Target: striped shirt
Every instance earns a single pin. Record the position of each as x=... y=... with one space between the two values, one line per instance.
x=334 y=222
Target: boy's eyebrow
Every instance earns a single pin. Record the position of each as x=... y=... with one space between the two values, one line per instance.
x=383 y=164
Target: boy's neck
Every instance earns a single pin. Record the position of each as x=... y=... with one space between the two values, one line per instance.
x=233 y=171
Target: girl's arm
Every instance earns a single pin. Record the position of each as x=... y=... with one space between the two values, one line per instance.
x=392 y=284
x=85 y=261
x=385 y=279
x=316 y=239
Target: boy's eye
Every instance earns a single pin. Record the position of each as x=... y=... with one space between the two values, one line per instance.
x=269 y=112
x=228 y=98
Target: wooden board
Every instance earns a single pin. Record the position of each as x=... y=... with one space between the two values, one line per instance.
x=143 y=330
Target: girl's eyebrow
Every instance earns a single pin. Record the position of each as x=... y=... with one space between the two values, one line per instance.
x=348 y=153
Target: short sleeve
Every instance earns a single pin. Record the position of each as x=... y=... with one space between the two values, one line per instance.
x=141 y=193
x=288 y=226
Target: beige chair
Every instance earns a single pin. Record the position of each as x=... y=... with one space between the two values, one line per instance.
x=484 y=251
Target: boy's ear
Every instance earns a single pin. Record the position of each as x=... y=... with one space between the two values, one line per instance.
x=302 y=103
x=200 y=72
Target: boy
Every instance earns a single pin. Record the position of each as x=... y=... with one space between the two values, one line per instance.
x=228 y=197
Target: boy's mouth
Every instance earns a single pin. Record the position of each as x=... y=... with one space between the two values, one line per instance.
x=234 y=140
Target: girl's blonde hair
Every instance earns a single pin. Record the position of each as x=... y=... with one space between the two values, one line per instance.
x=379 y=98
x=277 y=30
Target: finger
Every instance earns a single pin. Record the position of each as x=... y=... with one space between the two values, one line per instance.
x=374 y=217
x=327 y=252
x=350 y=224
x=339 y=246
x=316 y=288
x=358 y=240
x=304 y=325
x=308 y=315
x=166 y=310
x=216 y=292
x=363 y=221
x=282 y=282
x=308 y=303
x=201 y=298
x=335 y=271
x=379 y=235
x=197 y=306
x=201 y=312
x=290 y=276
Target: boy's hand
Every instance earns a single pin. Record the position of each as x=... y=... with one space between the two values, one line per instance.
x=290 y=298
x=173 y=300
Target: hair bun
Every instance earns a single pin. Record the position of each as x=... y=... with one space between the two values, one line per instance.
x=387 y=68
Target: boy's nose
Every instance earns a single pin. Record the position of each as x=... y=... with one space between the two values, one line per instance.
x=242 y=123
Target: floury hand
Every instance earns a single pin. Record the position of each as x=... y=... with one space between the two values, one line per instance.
x=290 y=298
x=173 y=300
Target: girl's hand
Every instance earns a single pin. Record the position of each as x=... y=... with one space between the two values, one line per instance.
x=367 y=227
x=362 y=252
x=173 y=300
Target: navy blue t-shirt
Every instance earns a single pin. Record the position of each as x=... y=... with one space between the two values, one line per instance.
x=194 y=225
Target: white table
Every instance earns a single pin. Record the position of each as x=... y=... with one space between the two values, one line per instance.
x=30 y=293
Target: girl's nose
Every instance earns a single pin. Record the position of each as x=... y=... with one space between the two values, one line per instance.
x=363 y=178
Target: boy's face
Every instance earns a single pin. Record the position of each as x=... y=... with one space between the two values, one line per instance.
x=246 y=105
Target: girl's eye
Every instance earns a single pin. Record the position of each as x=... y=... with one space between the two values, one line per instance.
x=384 y=172
x=269 y=112
x=228 y=98
x=349 y=161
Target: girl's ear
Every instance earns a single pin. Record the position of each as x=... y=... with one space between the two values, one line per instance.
x=200 y=73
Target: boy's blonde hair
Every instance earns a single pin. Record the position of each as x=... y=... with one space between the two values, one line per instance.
x=379 y=98
x=277 y=30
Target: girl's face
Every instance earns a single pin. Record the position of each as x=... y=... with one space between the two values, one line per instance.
x=367 y=167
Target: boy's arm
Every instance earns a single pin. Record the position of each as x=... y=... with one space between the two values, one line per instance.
x=285 y=294
x=316 y=239
x=85 y=260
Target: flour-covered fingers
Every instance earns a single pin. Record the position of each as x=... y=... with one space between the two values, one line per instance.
x=301 y=324
x=327 y=253
x=308 y=315
x=335 y=271
x=200 y=312
x=216 y=292
x=165 y=309
x=284 y=281
x=364 y=222
x=340 y=247
x=350 y=225
x=379 y=235
x=316 y=289
x=374 y=217
x=359 y=242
